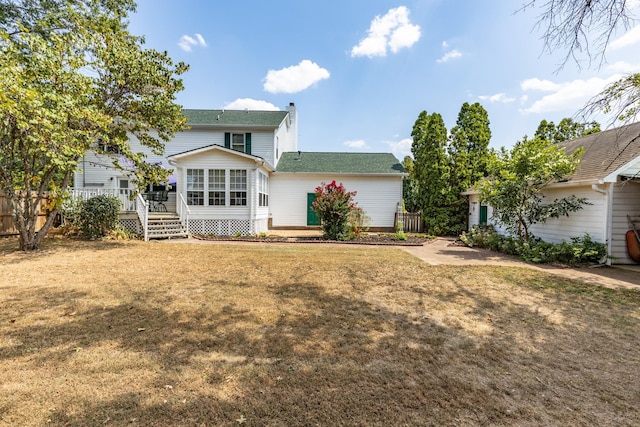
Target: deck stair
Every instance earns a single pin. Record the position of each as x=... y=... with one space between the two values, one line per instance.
x=165 y=225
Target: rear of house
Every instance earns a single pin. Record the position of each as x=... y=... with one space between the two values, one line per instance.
x=240 y=172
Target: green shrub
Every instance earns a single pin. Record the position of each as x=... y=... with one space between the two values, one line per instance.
x=580 y=250
x=71 y=214
x=99 y=216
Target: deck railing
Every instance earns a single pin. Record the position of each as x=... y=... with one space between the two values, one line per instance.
x=123 y=194
x=183 y=211
x=142 y=209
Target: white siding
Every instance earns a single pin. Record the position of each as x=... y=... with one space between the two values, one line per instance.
x=262 y=146
x=590 y=219
x=626 y=201
x=378 y=196
x=474 y=210
x=97 y=170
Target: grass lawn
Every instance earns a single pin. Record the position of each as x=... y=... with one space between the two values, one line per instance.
x=128 y=333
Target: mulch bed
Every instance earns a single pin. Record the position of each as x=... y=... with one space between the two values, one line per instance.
x=370 y=239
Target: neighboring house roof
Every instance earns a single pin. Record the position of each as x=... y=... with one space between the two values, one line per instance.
x=607 y=154
x=215 y=147
x=342 y=163
x=230 y=118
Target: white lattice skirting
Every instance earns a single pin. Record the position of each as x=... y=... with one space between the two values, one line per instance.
x=131 y=224
x=220 y=227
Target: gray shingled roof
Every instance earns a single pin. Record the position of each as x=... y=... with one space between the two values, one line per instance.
x=357 y=163
x=227 y=118
x=605 y=152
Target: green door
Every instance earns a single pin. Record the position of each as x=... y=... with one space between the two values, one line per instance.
x=312 y=218
x=483 y=216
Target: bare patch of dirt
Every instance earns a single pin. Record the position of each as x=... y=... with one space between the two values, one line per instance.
x=131 y=333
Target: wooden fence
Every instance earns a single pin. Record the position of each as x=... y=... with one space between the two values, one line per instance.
x=411 y=221
x=7 y=225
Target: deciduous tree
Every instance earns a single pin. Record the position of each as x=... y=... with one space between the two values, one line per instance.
x=517 y=179
x=566 y=130
x=71 y=75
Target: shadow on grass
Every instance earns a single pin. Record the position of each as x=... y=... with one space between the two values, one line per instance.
x=333 y=360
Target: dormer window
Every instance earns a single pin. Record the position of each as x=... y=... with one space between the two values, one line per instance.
x=238 y=141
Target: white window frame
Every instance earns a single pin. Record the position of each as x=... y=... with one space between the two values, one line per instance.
x=263 y=189
x=238 y=187
x=195 y=187
x=236 y=145
x=217 y=188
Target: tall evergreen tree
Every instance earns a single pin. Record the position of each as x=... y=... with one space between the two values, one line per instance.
x=468 y=156
x=431 y=170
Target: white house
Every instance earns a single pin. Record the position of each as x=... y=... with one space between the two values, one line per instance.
x=240 y=172
x=608 y=177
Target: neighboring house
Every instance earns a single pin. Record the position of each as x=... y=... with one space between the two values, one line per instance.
x=240 y=172
x=608 y=177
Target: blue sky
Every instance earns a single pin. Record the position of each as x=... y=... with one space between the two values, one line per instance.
x=360 y=71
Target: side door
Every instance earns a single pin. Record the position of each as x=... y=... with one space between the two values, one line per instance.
x=312 y=218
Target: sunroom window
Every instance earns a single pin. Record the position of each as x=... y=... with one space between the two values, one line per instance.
x=217 y=190
x=195 y=187
x=263 y=190
x=238 y=187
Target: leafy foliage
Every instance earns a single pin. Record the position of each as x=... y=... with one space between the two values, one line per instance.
x=99 y=216
x=518 y=176
x=335 y=208
x=579 y=251
x=566 y=130
x=469 y=156
x=72 y=75
x=444 y=167
x=431 y=171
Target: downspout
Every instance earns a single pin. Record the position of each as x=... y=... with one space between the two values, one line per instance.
x=608 y=194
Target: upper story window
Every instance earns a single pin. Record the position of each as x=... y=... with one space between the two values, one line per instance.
x=107 y=147
x=238 y=141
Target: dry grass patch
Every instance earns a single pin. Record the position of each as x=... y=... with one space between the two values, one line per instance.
x=111 y=333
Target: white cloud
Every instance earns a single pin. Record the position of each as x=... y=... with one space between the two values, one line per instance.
x=187 y=42
x=250 y=104
x=401 y=148
x=568 y=96
x=630 y=38
x=201 y=40
x=449 y=56
x=359 y=144
x=537 y=84
x=622 y=67
x=445 y=45
x=392 y=31
x=498 y=97
x=295 y=78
